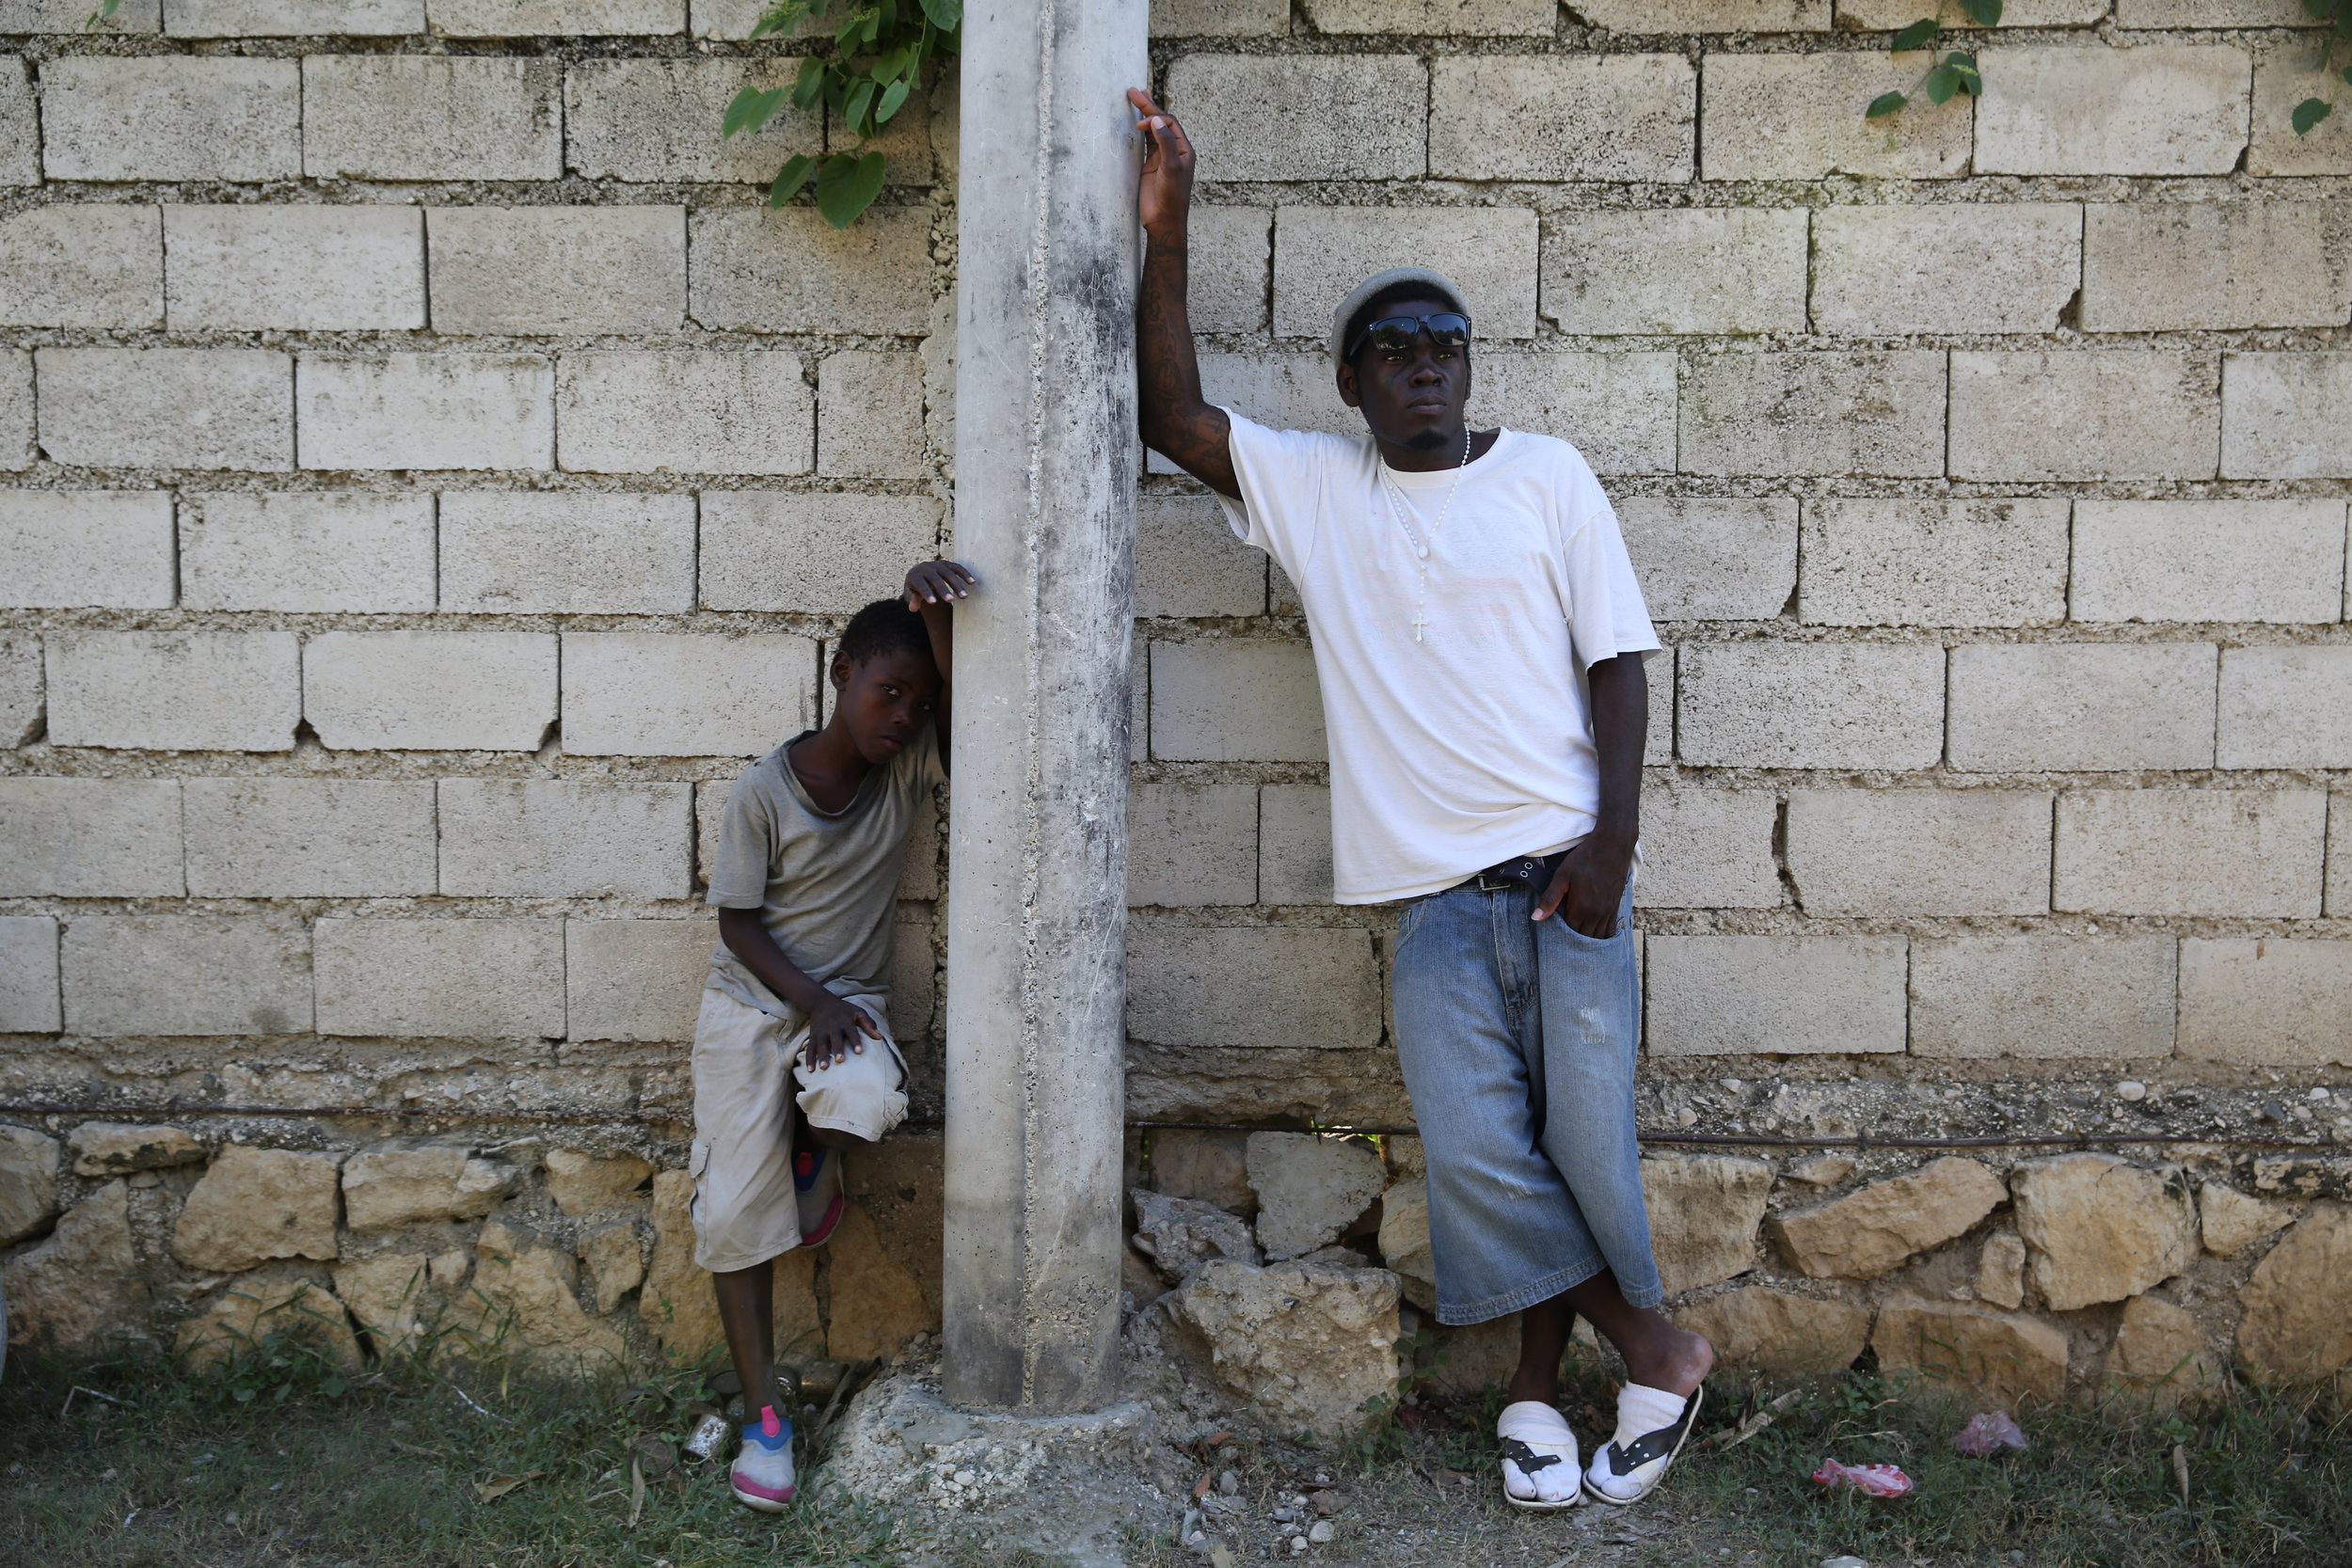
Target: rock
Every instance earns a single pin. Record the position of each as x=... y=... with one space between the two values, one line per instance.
x=1310 y=1189
x=396 y=1298
x=2160 y=1355
x=1181 y=1233
x=1406 y=1159
x=2001 y=1270
x=1478 y=1356
x=1704 y=1211
x=874 y=1304
x=1405 y=1241
x=28 y=1182
x=1823 y=1170
x=1209 y=1167
x=1868 y=1232
x=2295 y=1328
x=254 y=1204
x=2228 y=1222
x=276 y=1299
x=616 y=1263
x=399 y=1182
x=1778 y=1332
x=118 y=1149
x=675 y=1301
x=588 y=1183
x=1999 y=1359
x=1308 y=1346
x=798 y=1328
x=1137 y=1278
x=524 y=1287
x=83 y=1285
x=2100 y=1228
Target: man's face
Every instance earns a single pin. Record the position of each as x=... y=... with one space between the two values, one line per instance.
x=886 y=701
x=1413 y=397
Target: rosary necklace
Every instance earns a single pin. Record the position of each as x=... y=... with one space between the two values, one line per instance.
x=1403 y=511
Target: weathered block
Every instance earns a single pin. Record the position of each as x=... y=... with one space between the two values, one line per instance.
x=1230 y=249
x=1192 y=845
x=1618 y=410
x=20 y=689
x=1891 y=15
x=684 y=411
x=1709 y=558
x=2278 y=561
x=1707 y=849
x=1189 y=562
x=870 y=415
x=166 y=407
x=2283 y=416
x=1304 y=116
x=2159 y=108
x=657 y=121
x=307 y=550
x=431 y=117
x=102 y=550
x=1873 y=413
x=427 y=411
x=1934 y=562
x=448 y=980
x=1294 y=844
x=171 y=117
x=185 y=975
x=174 y=690
x=16 y=409
x=558 y=269
x=2115 y=414
x=1946 y=267
x=309 y=838
x=1799 y=116
x=2285 y=707
x=1812 y=704
x=755 y=269
x=2177 y=267
x=667 y=695
x=2082 y=706
x=2265 y=1001
x=308 y=268
x=2284 y=72
x=1320 y=253
x=96 y=265
x=563 y=838
x=131 y=18
x=2039 y=997
x=515 y=18
x=1562 y=117
x=520 y=552
x=1277 y=988
x=1919 y=852
x=635 y=979
x=232 y=19
x=2191 y=851
x=1456 y=18
x=820 y=554
x=2340 y=856
x=1235 y=700
x=1997 y=1357
x=1680 y=269
x=90 y=838
x=1704 y=1214
x=1718 y=996
x=1180 y=18
x=28 y=977
x=430 y=690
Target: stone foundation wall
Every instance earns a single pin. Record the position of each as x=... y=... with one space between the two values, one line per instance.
x=430 y=474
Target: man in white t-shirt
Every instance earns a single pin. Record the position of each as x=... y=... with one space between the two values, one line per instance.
x=1478 y=636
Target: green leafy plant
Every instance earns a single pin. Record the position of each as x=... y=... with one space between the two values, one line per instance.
x=1954 y=73
x=2338 y=15
x=106 y=12
x=880 y=51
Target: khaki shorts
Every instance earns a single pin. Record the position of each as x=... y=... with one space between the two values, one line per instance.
x=744 y=1062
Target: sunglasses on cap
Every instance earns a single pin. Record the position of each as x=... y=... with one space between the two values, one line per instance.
x=1395 y=334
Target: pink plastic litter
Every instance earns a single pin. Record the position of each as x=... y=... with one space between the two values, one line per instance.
x=1876 y=1480
x=1989 y=1433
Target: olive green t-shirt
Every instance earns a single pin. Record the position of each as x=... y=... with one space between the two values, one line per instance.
x=825 y=883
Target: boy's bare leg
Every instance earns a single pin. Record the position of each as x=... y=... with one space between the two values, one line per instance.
x=747 y=1311
x=1657 y=1353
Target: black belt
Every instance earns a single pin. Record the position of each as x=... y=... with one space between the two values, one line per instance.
x=1533 y=872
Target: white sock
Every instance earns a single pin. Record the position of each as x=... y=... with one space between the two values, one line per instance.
x=1641 y=1411
x=1545 y=1433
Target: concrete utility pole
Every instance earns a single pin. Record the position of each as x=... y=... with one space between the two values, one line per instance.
x=1046 y=458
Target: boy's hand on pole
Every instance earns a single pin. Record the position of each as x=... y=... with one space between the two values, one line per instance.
x=939 y=583
x=1164 y=190
x=837 y=1030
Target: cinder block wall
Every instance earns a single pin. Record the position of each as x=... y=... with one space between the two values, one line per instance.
x=430 y=473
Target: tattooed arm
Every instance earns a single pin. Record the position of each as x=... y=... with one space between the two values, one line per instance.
x=1174 y=420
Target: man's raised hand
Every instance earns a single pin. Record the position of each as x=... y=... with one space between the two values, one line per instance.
x=1164 y=191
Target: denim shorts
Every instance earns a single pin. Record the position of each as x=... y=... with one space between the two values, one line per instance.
x=1519 y=1042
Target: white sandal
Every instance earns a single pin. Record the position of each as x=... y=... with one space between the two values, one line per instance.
x=1539 y=1457
x=1652 y=1426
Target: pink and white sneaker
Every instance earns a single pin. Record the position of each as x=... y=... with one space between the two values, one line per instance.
x=762 y=1477
x=816 y=1185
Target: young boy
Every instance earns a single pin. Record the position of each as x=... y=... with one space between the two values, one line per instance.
x=805 y=883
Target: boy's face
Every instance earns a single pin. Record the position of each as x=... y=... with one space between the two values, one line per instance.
x=1415 y=398
x=884 y=701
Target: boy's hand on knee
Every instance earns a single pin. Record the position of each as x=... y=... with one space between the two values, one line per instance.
x=835 y=1030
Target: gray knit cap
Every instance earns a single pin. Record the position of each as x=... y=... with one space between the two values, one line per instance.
x=1438 y=283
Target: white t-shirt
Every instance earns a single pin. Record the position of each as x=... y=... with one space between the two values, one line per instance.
x=1475 y=744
